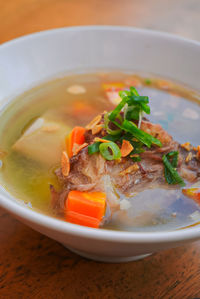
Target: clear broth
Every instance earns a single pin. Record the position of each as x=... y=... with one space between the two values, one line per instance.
x=176 y=108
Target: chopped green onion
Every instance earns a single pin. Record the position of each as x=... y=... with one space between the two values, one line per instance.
x=136 y=158
x=134 y=91
x=106 y=123
x=132 y=112
x=93 y=148
x=145 y=108
x=136 y=105
x=110 y=151
x=137 y=150
x=117 y=124
x=112 y=137
x=137 y=99
x=119 y=107
x=171 y=175
x=174 y=156
x=142 y=136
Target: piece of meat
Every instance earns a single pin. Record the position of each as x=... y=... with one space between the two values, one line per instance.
x=94 y=173
x=156 y=131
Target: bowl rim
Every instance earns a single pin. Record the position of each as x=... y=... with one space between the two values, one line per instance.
x=190 y=233
x=160 y=34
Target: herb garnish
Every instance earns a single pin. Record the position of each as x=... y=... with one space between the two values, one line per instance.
x=94 y=147
x=170 y=162
x=110 y=151
x=119 y=124
x=123 y=123
x=142 y=136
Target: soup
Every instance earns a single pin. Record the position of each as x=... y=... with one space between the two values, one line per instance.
x=33 y=135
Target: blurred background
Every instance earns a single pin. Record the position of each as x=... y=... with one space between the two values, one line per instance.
x=19 y=17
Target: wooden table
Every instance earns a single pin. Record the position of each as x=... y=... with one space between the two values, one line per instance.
x=34 y=266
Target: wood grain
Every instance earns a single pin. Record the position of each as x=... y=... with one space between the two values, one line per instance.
x=19 y=17
x=34 y=266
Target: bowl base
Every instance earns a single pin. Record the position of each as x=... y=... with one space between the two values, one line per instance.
x=108 y=259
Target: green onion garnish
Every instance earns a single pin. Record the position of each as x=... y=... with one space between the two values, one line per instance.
x=137 y=99
x=94 y=147
x=107 y=122
x=171 y=175
x=134 y=91
x=136 y=158
x=134 y=106
x=142 y=136
x=132 y=112
x=119 y=107
x=110 y=151
x=173 y=157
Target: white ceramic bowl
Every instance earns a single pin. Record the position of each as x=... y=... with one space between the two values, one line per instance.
x=27 y=61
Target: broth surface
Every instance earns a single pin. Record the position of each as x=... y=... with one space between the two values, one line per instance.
x=26 y=176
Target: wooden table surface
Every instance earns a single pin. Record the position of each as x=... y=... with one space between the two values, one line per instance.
x=34 y=266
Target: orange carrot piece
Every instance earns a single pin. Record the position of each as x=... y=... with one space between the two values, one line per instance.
x=76 y=136
x=84 y=220
x=86 y=204
x=65 y=164
x=126 y=148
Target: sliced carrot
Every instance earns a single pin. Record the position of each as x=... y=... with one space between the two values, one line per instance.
x=193 y=193
x=65 y=164
x=84 y=220
x=126 y=148
x=76 y=136
x=86 y=204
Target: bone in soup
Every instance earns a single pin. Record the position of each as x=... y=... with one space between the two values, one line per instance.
x=105 y=150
